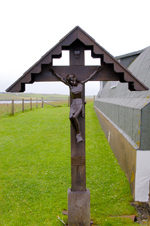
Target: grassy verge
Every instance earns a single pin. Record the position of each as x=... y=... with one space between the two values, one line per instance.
x=35 y=170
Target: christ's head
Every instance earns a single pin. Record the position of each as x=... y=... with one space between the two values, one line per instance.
x=71 y=79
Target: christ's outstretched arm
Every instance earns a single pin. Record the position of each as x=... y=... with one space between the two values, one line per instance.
x=91 y=75
x=58 y=76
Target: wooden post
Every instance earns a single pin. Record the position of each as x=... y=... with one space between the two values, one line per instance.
x=78 y=195
x=31 y=104
x=8 y=108
x=68 y=101
x=78 y=175
x=12 y=107
x=42 y=102
x=23 y=105
x=36 y=103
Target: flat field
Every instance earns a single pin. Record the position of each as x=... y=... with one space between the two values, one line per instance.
x=19 y=96
x=35 y=170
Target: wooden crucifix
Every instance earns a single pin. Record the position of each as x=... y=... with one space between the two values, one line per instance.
x=75 y=76
x=77 y=118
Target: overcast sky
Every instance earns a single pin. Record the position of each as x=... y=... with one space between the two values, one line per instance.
x=29 y=28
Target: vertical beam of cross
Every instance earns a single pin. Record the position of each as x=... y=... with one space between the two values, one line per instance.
x=78 y=173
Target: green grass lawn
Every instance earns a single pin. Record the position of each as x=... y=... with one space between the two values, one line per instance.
x=35 y=170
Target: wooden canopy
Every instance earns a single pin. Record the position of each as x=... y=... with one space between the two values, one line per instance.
x=78 y=41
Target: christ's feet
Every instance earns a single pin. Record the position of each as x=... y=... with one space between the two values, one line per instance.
x=79 y=138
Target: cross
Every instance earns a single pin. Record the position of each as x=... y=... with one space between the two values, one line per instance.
x=75 y=76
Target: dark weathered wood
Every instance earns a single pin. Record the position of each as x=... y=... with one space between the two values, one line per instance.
x=40 y=70
x=79 y=70
x=78 y=173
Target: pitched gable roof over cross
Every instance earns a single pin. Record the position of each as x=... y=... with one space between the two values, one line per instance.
x=113 y=69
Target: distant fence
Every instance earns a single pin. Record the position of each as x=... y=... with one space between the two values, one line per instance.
x=10 y=107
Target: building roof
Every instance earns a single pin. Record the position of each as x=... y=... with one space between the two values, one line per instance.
x=128 y=58
x=120 y=94
x=135 y=53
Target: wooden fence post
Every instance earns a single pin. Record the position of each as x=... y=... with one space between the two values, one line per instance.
x=31 y=104
x=12 y=107
x=42 y=102
x=36 y=103
x=23 y=105
x=8 y=108
x=68 y=101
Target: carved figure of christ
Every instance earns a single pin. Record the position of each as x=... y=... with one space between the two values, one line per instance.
x=77 y=105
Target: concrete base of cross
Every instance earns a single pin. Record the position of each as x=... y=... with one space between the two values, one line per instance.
x=78 y=208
